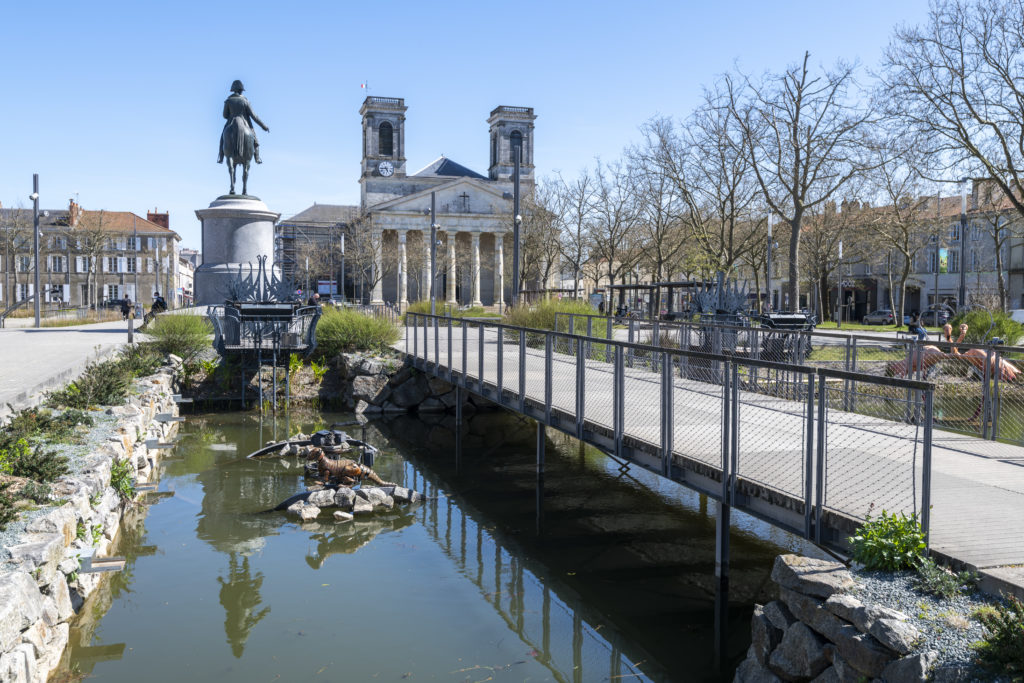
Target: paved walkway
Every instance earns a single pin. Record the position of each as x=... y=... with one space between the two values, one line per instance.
x=33 y=361
x=977 y=485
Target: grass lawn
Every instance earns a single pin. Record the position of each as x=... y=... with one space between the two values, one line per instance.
x=858 y=327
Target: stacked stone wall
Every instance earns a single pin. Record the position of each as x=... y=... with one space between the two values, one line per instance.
x=42 y=586
x=818 y=631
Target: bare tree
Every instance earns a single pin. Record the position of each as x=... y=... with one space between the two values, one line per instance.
x=91 y=240
x=825 y=229
x=575 y=206
x=539 y=236
x=15 y=239
x=955 y=82
x=993 y=208
x=802 y=136
x=614 y=218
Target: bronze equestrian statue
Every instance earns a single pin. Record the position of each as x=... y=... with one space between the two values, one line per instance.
x=238 y=143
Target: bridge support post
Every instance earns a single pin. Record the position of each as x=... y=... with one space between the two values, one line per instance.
x=541 y=442
x=722 y=521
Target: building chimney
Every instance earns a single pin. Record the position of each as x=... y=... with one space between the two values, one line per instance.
x=74 y=213
x=161 y=219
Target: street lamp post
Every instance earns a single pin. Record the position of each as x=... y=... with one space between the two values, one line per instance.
x=839 y=325
x=768 y=262
x=963 y=243
x=517 y=151
x=35 y=240
x=341 y=283
x=433 y=252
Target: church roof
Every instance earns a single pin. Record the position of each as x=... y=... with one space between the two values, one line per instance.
x=325 y=213
x=443 y=166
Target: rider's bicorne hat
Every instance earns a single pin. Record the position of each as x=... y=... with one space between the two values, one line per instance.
x=237 y=86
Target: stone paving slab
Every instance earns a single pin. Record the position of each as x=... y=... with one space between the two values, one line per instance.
x=33 y=361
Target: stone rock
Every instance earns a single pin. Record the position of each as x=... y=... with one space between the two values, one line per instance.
x=58 y=591
x=21 y=605
x=309 y=512
x=50 y=616
x=401 y=494
x=36 y=635
x=819 y=578
x=361 y=506
x=389 y=408
x=829 y=675
x=843 y=671
x=861 y=651
x=54 y=649
x=344 y=497
x=388 y=503
x=18 y=665
x=369 y=366
x=899 y=636
x=373 y=494
x=415 y=496
x=340 y=516
x=438 y=386
x=764 y=637
x=951 y=674
x=296 y=508
x=411 y=393
x=39 y=550
x=174 y=359
x=749 y=671
x=812 y=613
x=62 y=521
x=432 y=405
x=367 y=388
x=401 y=377
x=860 y=615
x=449 y=400
x=801 y=654
x=779 y=615
x=911 y=668
x=322 y=498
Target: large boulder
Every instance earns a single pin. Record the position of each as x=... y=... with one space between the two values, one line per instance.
x=764 y=636
x=308 y=513
x=909 y=669
x=410 y=393
x=361 y=506
x=801 y=654
x=344 y=497
x=370 y=388
x=321 y=498
x=750 y=671
x=890 y=627
x=21 y=604
x=820 y=578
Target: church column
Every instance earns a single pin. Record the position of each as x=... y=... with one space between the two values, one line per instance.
x=451 y=268
x=377 y=244
x=403 y=275
x=499 y=270
x=476 y=270
x=425 y=294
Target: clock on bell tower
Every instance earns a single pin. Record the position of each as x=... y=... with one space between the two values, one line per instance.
x=383 y=137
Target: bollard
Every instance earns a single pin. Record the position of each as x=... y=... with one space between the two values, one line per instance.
x=131 y=330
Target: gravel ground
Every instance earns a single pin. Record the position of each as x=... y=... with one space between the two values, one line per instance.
x=103 y=427
x=947 y=624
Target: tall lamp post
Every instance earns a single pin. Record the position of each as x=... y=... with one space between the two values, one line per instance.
x=341 y=283
x=962 y=295
x=35 y=240
x=768 y=261
x=839 y=325
x=517 y=152
x=433 y=252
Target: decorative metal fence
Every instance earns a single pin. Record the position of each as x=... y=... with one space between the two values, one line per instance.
x=817 y=440
x=979 y=390
x=238 y=330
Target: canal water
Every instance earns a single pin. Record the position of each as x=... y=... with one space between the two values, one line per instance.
x=606 y=575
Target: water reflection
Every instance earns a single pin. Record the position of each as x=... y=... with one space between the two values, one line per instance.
x=240 y=596
x=351 y=536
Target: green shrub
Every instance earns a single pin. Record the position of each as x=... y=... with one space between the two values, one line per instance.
x=1002 y=651
x=36 y=491
x=542 y=316
x=342 y=330
x=108 y=382
x=121 y=479
x=318 y=371
x=140 y=360
x=8 y=512
x=979 y=322
x=183 y=335
x=889 y=542
x=945 y=583
x=39 y=465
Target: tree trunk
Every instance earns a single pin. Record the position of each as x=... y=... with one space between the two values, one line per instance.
x=794 y=262
x=1000 y=281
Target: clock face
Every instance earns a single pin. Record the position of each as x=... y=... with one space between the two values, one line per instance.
x=385 y=168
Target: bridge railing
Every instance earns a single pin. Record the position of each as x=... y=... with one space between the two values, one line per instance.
x=830 y=441
x=979 y=389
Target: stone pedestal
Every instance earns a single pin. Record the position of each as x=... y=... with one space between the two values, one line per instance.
x=237 y=229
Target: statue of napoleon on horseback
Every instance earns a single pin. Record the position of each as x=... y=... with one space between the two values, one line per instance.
x=238 y=143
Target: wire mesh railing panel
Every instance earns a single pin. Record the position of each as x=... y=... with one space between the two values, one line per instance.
x=563 y=373
x=873 y=458
x=697 y=416
x=772 y=444
x=641 y=396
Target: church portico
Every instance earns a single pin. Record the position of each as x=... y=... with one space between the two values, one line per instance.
x=472 y=211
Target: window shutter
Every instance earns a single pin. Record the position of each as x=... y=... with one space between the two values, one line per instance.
x=149 y=265
x=122 y=266
x=31 y=289
x=46 y=294
x=103 y=264
x=67 y=293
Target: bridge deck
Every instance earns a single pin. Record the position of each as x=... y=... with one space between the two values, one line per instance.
x=977 y=485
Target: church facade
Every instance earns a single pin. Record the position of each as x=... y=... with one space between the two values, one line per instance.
x=473 y=212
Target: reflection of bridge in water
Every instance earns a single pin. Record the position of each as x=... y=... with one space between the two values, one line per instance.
x=522 y=594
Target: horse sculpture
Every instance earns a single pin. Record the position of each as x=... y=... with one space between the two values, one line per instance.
x=238 y=143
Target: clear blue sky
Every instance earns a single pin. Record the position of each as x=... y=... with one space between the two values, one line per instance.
x=119 y=103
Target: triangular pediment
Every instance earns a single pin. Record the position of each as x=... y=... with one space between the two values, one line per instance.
x=458 y=196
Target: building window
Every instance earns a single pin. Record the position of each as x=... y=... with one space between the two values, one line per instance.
x=23 y=291
x=954 y=232
x=112 y=292
x=112 y=265
x=24 y=264
x=57 y=264
x=515 y=141
x=60 y=243
x=386 y=139
x=931 y=261
x=130 y=266
x=954 y=261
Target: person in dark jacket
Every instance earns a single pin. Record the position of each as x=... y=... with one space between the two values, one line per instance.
x=126 y=307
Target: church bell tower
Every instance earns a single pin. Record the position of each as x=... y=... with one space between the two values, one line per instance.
x=511 y=132
x=383 y=137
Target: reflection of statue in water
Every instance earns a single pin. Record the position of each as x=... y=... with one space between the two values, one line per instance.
x=238 y=141
x=349 y=538
x=240 y=597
